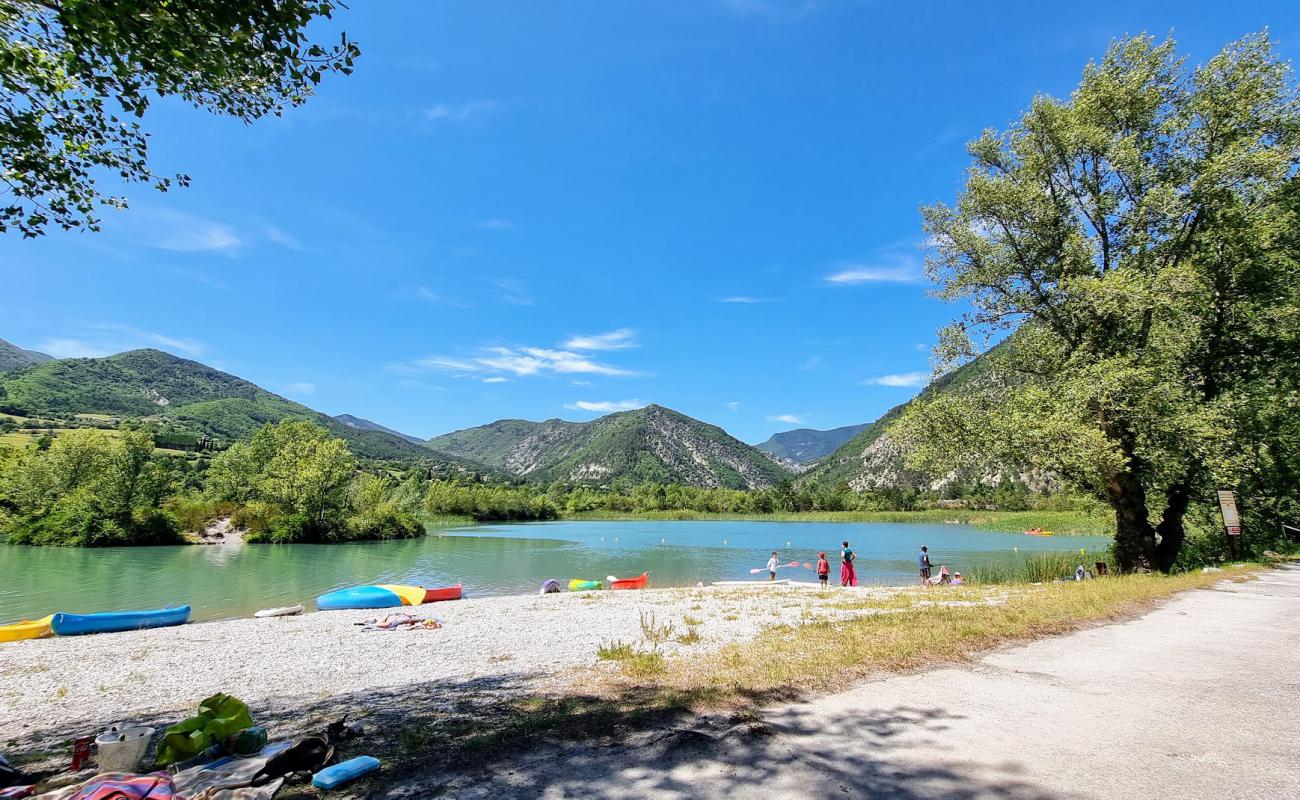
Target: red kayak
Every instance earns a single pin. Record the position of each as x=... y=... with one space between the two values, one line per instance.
x=631 y=583
x=445 y=593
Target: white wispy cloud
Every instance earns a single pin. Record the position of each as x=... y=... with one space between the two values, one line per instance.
x=282 y=237
x=852 y=275
x=734 y=405
x=514 y=292
x=98 y=339
x=191 y=347
x=606 y=406
x=516 y=361
x=620 y=339
x=791 y=419
x=896 y=263
x=300 y=388
x=496 y=379
x=459 y=112
x=495 y=225
x=72 y=348
x=168 y=229
x=745 y=299
x=908 y=379
x=429 y=295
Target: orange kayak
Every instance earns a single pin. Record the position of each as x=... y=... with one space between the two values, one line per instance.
x=445 y=593
x=631 y=583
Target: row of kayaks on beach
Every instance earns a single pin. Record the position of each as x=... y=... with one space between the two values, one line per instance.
x=64 y=624
x=583 y=585
x=353 y=597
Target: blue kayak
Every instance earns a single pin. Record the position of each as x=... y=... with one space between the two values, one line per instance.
x=359 y=597
x=113 y=621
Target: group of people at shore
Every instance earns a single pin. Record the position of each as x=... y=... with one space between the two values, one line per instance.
x=849 y=572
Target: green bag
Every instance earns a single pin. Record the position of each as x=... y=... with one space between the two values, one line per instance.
x=219 y=716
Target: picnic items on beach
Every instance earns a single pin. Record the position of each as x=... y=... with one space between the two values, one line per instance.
x=386 y=596
x=340 y=774
x=581 y=585
x=114 y=621
x=219 y=716
x=120 y=748
x=393 y=622
x=550 y=586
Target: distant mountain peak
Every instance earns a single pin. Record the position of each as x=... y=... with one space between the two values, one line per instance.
x=806 y=445
x=361 y=423
x=653 y=444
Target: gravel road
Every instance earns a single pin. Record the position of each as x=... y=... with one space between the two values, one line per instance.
x=1196 y=699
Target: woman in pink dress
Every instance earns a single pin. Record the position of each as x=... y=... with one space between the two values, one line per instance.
x=848 y=575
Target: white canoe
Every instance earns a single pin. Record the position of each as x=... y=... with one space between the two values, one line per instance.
x=781 y=582
x=284 y=611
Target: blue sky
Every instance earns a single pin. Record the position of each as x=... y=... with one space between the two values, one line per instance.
x=538 y=210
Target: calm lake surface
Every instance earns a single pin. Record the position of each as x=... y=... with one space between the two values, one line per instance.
x=223 y=581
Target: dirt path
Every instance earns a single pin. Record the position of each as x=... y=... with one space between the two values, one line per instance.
x=1199 y=698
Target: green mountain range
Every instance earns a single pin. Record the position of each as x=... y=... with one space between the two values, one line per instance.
x=194 y=397
x=806 y=445
x=651 y=444
x=13 y=357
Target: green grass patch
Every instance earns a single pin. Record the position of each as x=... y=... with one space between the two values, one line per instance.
x=690 y=637
x=615 y=651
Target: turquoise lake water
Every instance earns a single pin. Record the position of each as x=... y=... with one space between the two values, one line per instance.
x=231 y=580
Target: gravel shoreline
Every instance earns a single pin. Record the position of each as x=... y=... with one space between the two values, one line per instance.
x=55 y=689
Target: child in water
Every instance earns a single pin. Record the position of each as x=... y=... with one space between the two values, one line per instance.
x=823 y=569
x=772 y=564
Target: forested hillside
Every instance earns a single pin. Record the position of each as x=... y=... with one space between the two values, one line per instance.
x=190 y=396
x=650 y=445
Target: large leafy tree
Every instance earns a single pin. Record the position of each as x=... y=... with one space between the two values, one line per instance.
x=77 y=75
x=295 y=465
x=1140 y=240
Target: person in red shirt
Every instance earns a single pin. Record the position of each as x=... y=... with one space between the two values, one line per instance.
x=823 y=568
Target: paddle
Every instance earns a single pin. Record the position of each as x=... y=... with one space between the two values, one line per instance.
x=778 y=566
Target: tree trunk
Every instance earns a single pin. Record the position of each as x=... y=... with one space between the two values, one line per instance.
x=1170 y=530
x=1134 y=535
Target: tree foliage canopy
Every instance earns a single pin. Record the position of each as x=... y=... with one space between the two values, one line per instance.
x=1140 y=240
x=76 y=75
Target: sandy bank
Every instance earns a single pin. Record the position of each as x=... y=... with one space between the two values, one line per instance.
x=57 y=688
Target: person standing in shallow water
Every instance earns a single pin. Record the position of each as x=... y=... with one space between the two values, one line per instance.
x=848 y=573
x=923 y=561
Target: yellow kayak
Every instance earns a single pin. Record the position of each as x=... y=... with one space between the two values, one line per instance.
x=27 y=629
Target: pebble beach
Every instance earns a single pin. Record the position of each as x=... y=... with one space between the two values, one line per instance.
x=55 y=689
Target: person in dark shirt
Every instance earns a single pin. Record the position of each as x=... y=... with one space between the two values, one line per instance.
x=923 y=561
